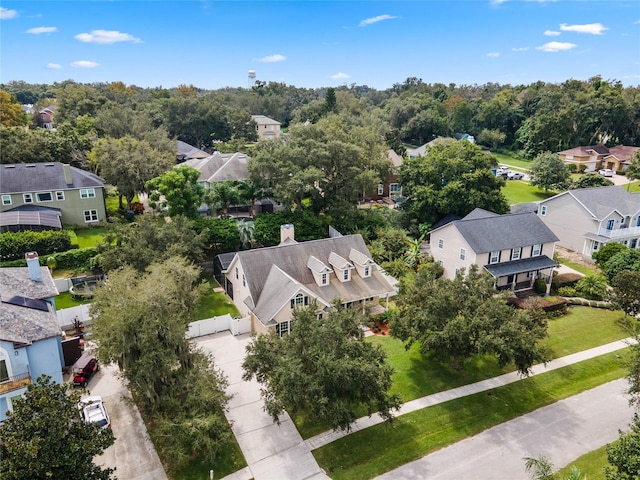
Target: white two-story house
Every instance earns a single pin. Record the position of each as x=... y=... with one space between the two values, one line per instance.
x=516 y=249
x=584 y=219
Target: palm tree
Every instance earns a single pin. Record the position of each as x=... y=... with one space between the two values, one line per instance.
x=223 y=194
x=542 y=469
x=250 y=192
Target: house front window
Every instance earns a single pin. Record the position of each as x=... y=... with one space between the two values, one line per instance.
x=44 y=197
x=299 y=300
x=90 y=216
x=380 y=189
x=596 y=245
x=4 y=372
x=543 y=210
x=283 y=328
x=244 y=281
x=87 y=193
x=536 y=250
x=440 y=243
x=633 y=243
x=494 y=257
x=638 y=221
x=345 y=274
x=27 y=198
x=515 y=253
x=610 y=224
x=367 y=270
x=60 y=196
x=6 y=199
x=323 y=280
x=463 y=254
x=394 y=190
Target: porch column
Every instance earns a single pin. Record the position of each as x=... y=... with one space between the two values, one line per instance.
x=549 y=282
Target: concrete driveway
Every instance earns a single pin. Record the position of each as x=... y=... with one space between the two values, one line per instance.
x=272 y=452
x=132 y=455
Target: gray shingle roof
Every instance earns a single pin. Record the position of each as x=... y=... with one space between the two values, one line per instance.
x=273 y=273
x=220 y=167
x=500 y=232
x=16 y=281
x=601 y=201
x=38 y=177
x=519 y=266
x=264 y=120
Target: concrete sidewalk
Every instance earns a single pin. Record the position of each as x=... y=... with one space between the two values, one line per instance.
x=465 y=390
x=272 y=451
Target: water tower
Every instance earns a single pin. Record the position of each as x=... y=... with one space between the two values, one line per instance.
x=252 y=76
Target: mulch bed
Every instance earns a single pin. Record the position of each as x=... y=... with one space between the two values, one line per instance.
x=381 y=329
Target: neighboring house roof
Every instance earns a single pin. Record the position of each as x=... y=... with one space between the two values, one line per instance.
x=396 y=159
x=37 y=216
x=274 y=274
x=623 y=152
x=38 y=177
x=421 y=151
x=24 y=316
x=445 y=220
x=586 y=150
x=264 y=120
x=220 y=167
x=601 y=201
x=524 y=207
x=187 y=152
x=488 y=232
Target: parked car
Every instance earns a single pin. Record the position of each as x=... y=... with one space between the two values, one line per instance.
x=514 y=175
x=94 y=411
x=607 y=172
x=84 y=368
x=501 y=171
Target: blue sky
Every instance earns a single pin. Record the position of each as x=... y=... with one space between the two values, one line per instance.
x=311 y=44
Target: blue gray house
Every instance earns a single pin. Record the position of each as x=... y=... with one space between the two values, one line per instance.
x=30 y=337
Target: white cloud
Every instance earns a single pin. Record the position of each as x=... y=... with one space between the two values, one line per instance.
x=590 y=28
x=85 y=64
x=493 y=54
x=39 y=30
x=106 y=37
x=339 y=76
x=54 y=66
x=498 y=2
x=6 y=14
x=273 y=58
x=520 y=49
x=372 y=20
x=556 y=46
x=551 y=33
x=637 y=22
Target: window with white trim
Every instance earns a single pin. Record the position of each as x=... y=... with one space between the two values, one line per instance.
x=87 y=193
x=596 y=245
x=536 y=250
x=323 y=279
x=60 y=196
x=27 y=198
x=283 y=328
x=4 y=372
x=367 y=270
x=394 y=189
x=494 y=257
x=440 y=243
x=44 y=197
x=90 y=216
x=345 y=275
x=299 y=300
x=237 y=276
x=543 y=210
x=380 y=189
x=6 y=199
x=463 y=254
x=515 y=253
x=244 y=281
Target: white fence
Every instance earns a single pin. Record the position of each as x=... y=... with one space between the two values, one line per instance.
x=200 y=328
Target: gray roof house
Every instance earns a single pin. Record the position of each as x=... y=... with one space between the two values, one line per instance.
x=187 y=152
x=267 y=284
x=516 y=249
x=48 y=195
x=585 y=219
x=30 y=337
x=220 y=167
x=266 y=128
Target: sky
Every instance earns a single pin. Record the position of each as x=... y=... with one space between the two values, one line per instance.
x=314 y=43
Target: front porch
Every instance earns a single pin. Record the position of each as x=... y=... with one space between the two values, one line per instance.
x=521 y=275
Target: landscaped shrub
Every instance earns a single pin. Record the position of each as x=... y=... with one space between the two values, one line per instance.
x=565 y=280
x=593 y=287
x=79 y=260
x=13 y=246
x=540 y=287
x=567 y=291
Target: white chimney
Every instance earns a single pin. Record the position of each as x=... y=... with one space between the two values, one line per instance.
x=68 y=178
x=33 y=264
x=287 y=232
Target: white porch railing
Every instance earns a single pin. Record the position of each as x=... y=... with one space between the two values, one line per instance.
x=620 y=232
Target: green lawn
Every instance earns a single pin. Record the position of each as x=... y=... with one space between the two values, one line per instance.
x=518 y=191
x=64 y=300
x=214 y=304
x=379 y=449
x=511 y=161
x=584 y=269
x=590 y=464
x=88 y=237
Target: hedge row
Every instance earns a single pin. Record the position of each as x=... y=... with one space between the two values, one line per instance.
x=80 y=259
x=13 y=246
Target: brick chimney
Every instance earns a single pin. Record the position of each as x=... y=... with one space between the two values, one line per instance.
x=287 y=232
x=67 y=174
x=33 y=264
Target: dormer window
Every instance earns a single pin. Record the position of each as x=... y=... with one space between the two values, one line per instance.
x=345 y=275
x=323 y=279
x=367 y=271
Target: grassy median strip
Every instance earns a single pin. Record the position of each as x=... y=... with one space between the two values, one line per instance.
x=382 y=448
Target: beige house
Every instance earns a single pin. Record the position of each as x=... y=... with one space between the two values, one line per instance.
x=587 y=218
x=516 y=249
x=595 y=157
x=267 y=128
x=268 y=284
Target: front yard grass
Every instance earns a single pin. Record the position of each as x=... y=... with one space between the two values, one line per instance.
x=517 y=191
x=214 y=304
x=511 y=161
x=590 y=465
x=584 y=269
x=379 y=449
x=417 y=376
x=88 y=237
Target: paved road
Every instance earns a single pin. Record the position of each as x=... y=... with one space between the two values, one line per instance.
x=132 y=455
x=272 y=452
x=561 y=432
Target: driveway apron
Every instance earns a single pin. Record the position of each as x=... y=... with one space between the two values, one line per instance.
x=272 y=451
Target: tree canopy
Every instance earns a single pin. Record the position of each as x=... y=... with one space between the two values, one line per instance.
x=44 y=437
x=177 y=190
x=322 y=368
x=454 y=177
x=549 y=172
x=591 y=180
x=455 y=319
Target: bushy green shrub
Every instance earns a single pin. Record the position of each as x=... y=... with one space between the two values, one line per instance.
x=13 y=246
x=540 y=287
x=565 y=280
x=567 y=291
